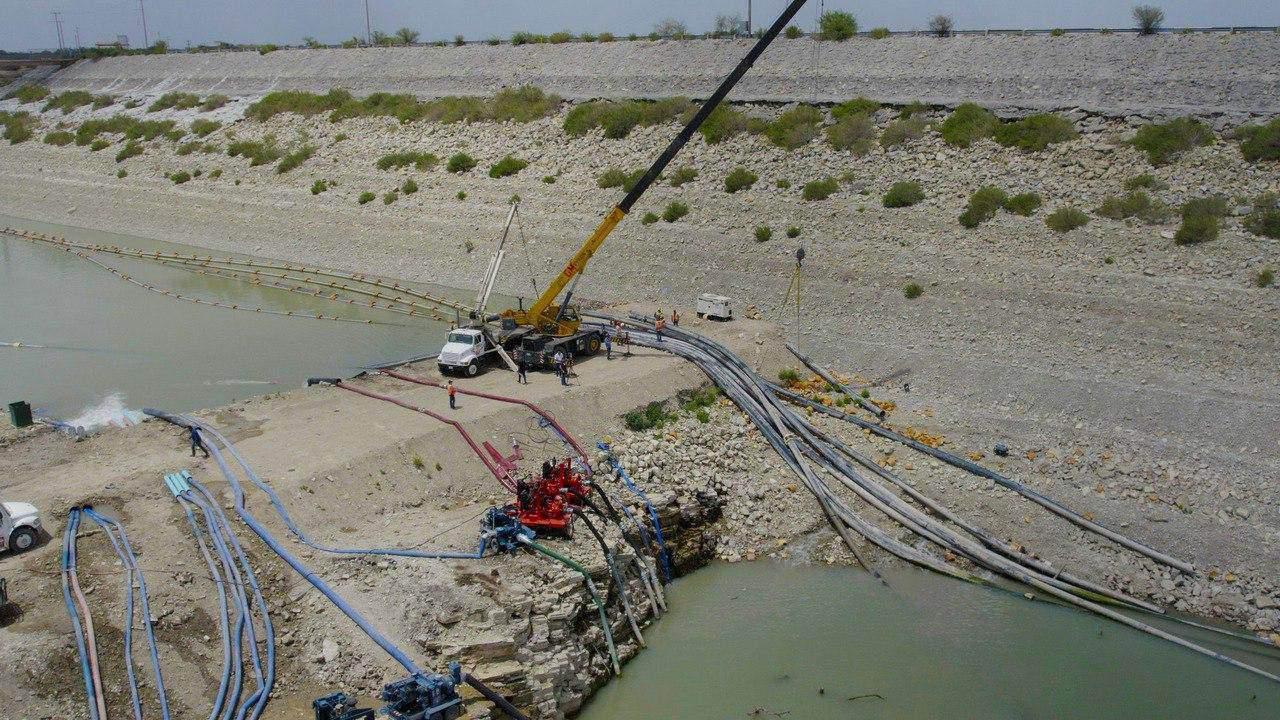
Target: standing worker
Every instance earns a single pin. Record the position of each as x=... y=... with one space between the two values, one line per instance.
x=608 y=346
x=658 y=325
x=675 y=317
x=453 y=395
x=558 y=359
x=522 y=371
x=196 y=442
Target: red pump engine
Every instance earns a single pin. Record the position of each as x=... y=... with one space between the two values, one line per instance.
x=546 y=503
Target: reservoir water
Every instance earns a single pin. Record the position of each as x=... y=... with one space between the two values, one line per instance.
x=106 y=340
x=803 y=642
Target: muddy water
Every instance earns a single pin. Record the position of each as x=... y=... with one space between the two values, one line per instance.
x=769 y=640
x=107 y=340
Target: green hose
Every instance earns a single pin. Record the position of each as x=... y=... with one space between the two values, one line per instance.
x=591 y=589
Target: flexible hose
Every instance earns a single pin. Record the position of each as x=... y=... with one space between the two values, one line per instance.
x=663 y=553
x=224 y=617
x=618 y=580
x=591 y=590
x=84 y=642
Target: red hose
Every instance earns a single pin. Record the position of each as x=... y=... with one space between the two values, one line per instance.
x=90 y=642
x=502 y=477
x=501 y=398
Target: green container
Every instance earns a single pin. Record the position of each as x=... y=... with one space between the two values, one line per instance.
x=20 y=413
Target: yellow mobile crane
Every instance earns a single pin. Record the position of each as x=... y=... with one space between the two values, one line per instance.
x=535 y=334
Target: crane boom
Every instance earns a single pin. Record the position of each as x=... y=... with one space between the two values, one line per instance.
x=543 y=312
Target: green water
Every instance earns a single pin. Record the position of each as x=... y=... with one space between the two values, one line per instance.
x=770 y=636
x=107 y=337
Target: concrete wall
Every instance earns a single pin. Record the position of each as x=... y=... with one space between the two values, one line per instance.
x=1205 y=74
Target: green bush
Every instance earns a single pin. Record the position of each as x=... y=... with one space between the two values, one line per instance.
x=68 y=101
x=1024 y=204
x=606 y=37
x=902 y=131
x=618 y=119
x=763 y=233
x=1213 y=206
x=101 y=101
x=187 y=148
x=968 y=124
x=879 y=33
x=783 y=184
x=202 y=127
x=524 y=37
x=1265 y=278
x=462 y=195
x=133 y=148
x=793 y=232
x=653 y=416
x=1259 y=142
x=725 y=122
x=983 y=205
x=460 y=163
x=739 y=178
x=59 y=138
x=559 y=38
x=904 y=193
x=522 y=104
x=1145 y=181
x=915 y=107
x=837 y=25
x=267 y=49
x=788 y=376
x=180 y=177
x=674 y=211
x=820 y=189
x=549 y=179
x=1065 y=219
x=854 y=133
x=319 y=186
x=1164 y=142
x=217 y=173
x=792 y=32
x=649 y=218
x=683 y=175
x=1196 y=229
x=1264 y=221
x=213 y=102
x=911 y=291
x=365 y=197
x=1035 y=132
x=795 y=127
x=507 y=166
x=1057 y=32
x=19 y=127
x=397 y=160
x=703 y=416
x=259 y=152
x=122 y=173
x=29 y=93
x=856 y=106
x=614 y=177
x=410 y=187
x=99 y=144
x=175 y=100
x=389 y=197
x=1135 y=204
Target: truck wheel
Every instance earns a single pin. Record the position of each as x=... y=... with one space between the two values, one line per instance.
x=22 y=539
x=473 y=368
x=593 y=345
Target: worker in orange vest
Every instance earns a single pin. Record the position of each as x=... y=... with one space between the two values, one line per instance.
x=658 y=326
x=453 y=395
x=675 y=317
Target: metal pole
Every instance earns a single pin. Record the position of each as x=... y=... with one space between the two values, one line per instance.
x=368 y=34
x=146 y=41
x=748 y=18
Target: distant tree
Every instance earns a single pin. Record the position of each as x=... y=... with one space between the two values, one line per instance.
x=159 y=48
x=837 y=25
x=407 y=36
x=1149 y=19
x=671 y=28
x=941 y=25
x=381 y=38
x=729 y=26
x=311 y=42
x=459 y=40
x=351 y=42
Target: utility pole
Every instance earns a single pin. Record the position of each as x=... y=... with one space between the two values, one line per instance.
x=78 y=45
x=57 y=22
x=146 y=42
x=748 y=18
x=368 y=34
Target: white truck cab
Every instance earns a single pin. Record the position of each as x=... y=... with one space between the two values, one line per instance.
x=19 y=526
x=464 y=351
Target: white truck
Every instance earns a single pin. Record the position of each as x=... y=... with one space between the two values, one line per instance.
x=464 y=352
x=19 y=526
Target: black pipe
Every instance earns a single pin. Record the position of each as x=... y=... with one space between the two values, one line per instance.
x=493 y=697
x=709 y=105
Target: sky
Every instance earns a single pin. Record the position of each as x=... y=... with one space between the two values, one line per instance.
x=28 y=24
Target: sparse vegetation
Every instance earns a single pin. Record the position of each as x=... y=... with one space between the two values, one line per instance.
x=549 y=179
x=671 y=29
x=854 y=133
x=1145 y=181
x=725 y=122
x=59 y=138
x=783 y=184
x=941 y=25
x=793 y=232
x=99 y=144
x=795 y=127
x=365 y=197
x=983 y=205
x=618 y=119
x=319 y=186
x=175 y=100
x=180 y=177
x=903 y=193
x=213 y=102
x=1024 y=204
x=19 y=127
x=559 y=38
x=1035 y=132
x=397 y=160
x=674 y=211
x=131 y=128
x=122 y=173
x=649 y=218
x=788 y=376
x=911 y=291
x=1164 y=142
x=1065 y=219
x=522 y=104
x=460 y=163
x=101 y=101
x=915 y=107
x=902 y=131
x=1136 y=203
x=739 y=178
x=389 y=197
x=1057 y=32
x=879 y=33
x=792 y=32
x=1259 y=142
x=614 y=177
x=856 y=106
x=837 y=25
x=1264 y=218
x=187 y=148
x=295 y=158
x=133 y=148
x=1149 y=19
x=1196 y=229
x=967 y=124
x=651 y=417
x=524 y=37
x=462 y=195
x=68 y=101
x=763 y=233
x=259 y=152
x=202 y=127
x=820 y=189
x=29 y=93
x=507 y=166
x=606 y=37
x=1265 y=278
x=267 y=48
x=683 y=175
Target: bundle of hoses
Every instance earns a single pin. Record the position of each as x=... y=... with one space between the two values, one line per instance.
x=808 y=452
x=135 y=587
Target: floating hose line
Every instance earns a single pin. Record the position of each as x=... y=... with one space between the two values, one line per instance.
x=792 y=436
x=134 y=579
x=81 y=621
x=591 y=590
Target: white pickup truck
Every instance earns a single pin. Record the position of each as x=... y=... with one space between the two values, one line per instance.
x=19 y=526
x=464 y=352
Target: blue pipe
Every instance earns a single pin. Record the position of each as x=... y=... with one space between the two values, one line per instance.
x=128 y=609
x=232 y=700
x=68 y=568
x=224 y=617
x=653 y=513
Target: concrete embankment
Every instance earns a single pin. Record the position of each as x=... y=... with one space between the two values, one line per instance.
x=1203 y=74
